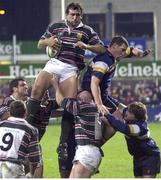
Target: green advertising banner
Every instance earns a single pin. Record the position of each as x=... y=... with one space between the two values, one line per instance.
x=21 y=47
x=20 y=70
x=138 y=68
x=125 y=69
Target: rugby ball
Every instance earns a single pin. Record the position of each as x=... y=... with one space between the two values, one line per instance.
x=51 y=52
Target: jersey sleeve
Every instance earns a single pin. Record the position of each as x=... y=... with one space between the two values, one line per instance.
x=49 y=31
x=100 y=68
x=71 y=105
x=118 y=125
x=94 y=38
x=136 y=129
x=34 y=149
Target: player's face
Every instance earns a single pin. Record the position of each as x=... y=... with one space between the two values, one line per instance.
x=120 y=50
x=73 y=17
x=129 y=116
x=22 y=88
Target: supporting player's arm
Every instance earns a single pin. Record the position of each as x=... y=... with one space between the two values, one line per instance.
x=98 y=48
x=130 y=130
x=96 y=92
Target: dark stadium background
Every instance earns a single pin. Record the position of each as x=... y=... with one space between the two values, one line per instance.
x=25 y=18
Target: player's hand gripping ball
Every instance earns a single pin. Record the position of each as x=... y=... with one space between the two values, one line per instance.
x=51 y=52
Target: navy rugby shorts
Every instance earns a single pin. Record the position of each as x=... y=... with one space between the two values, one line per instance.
x=147 y=165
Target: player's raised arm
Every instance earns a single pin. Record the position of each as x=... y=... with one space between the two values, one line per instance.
x=136 y=52
x=98 y=48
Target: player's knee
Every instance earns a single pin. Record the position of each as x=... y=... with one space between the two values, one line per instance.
x=37 y=92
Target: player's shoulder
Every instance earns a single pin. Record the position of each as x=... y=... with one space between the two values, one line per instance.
x=6 y=101
x=142 y=126
x=88 y=28
x=30 y=128
x=104 y=57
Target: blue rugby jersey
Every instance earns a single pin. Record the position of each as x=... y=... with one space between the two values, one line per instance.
x=68 y=53
x=137 y=135
x=103 y=67
x=86 y=118
x=18 y=140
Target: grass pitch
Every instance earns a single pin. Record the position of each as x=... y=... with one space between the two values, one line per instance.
x=117 y=162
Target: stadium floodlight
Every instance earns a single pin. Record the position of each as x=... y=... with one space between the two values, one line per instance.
x=2 y=12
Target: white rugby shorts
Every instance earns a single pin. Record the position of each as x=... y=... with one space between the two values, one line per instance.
x=11 y=170
x=89 y=156
x=61 y=69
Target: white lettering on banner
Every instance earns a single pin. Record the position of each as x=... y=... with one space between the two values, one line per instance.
x=137 y=71
x=19 y=71
x=123 y=71
x=156 y=69
x=153 y=70
x=7 y=49
x=128 y=70
x=147 y=71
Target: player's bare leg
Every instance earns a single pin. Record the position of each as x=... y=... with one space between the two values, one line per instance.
x=79 y=171
x=41 y=83
x=69 y=87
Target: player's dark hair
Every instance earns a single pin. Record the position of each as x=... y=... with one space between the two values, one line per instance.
x=17 y=109
x=74 y=6
x=119 y=40
x=139 y=110
x=14 y=83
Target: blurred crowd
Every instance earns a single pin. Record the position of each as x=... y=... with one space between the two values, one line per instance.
x=148 y=93
x=125 y=91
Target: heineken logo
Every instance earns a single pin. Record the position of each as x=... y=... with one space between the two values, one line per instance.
x=124 y=70
x=137 y=70
x=7 y=49
x=24 y=71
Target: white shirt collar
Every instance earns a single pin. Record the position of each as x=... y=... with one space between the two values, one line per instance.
x=13 y=97
x=11 y=118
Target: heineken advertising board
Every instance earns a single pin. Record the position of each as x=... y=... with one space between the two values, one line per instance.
x=21 y=47
x=20 y=70
x=125 y=69
x=138 y=68
x=30 y=48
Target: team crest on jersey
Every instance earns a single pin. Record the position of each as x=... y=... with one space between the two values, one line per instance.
x=79 y=36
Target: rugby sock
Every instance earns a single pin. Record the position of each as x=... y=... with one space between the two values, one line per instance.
x=66 y=126
x=33 y=106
